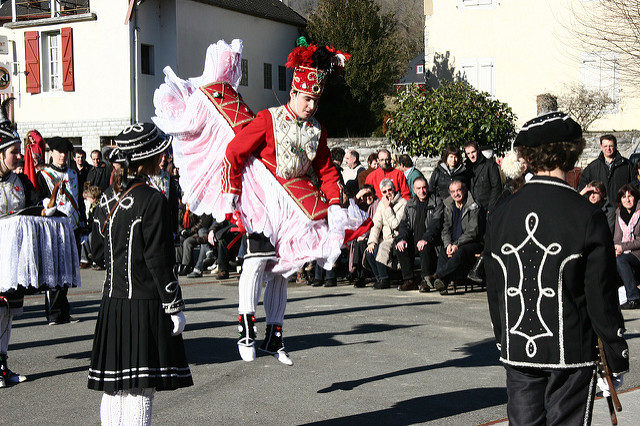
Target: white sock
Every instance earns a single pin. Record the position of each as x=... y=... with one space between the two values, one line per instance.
x=275 y=299
x=137 y=407
x=5 y=329
x=111 y=409
x=250 y=284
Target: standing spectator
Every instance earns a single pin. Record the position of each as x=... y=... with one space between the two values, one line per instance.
x=626 y=239
x=610 y=168
x=100 y=174
x=484 y=176
x=405 y=164
x=372 y=163
x=551 y=284
x=92 y=199
x=81 y=166
x=385 y=171
x=352 y=168
x=595 y=192
x=68 y=202
x=460 y=236
x=385 y=222
x=419 y=229
x=449 y=168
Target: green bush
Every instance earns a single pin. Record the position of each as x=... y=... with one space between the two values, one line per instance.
x=425 y=122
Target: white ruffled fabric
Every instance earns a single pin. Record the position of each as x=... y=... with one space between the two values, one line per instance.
x=38 y=253
x=200 y=138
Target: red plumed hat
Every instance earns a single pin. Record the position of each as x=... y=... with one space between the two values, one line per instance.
x=312 y=64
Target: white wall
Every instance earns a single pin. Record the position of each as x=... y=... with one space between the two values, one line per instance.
x=264 y=40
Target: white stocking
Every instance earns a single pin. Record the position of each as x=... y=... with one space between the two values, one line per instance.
x=111 y=409
x=250 y=284
x=275 y=299
x=137 y=407
x=5 y=328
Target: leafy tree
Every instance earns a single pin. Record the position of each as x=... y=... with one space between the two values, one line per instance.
x=425 y=122
x=354 y=103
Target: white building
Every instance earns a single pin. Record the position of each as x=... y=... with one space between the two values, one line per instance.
x=85 y=69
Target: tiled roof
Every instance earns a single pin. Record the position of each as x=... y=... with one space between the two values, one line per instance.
x=274 y=10
x=411 y=76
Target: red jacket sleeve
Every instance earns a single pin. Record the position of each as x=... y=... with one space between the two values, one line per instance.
x=404 y=186
x=239 y=150
x=326 y=171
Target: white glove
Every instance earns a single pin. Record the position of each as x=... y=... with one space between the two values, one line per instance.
x=337 y=218
x=603 y=386
x=229 y=202
x=48 y=212
x=179 y=321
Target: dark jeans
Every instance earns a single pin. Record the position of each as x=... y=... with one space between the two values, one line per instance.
x=550 y=397
x=405 y=259
x=463 y=257
x=628 y=267
x=379 y=269
x=189 y=245
x=322 y=274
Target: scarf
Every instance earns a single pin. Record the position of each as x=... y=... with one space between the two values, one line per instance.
x=627 y=226
x=35 y=149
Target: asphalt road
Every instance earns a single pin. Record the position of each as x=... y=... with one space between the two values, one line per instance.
x=362 y=356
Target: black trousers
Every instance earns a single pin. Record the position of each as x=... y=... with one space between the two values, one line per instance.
x=550 y=397
x=464 y=256
x=405 y=259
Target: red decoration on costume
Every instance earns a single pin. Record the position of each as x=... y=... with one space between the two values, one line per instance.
x=307 y=77
x=239 y=228
x=350 y=235
x=17 y=188
x=185 y=218
x=229 y=103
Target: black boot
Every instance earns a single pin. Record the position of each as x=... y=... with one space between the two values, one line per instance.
x=247 y=336
x=273 y=344
x=382 y=284
x=477 y=272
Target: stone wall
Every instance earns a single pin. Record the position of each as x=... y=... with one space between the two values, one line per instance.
x=627 y=143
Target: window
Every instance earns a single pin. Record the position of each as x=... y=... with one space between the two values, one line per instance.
x=244 y=80
x=477 y=3
x=420 y=69
x=51 y=61
x=600 y=72
x=146 y=59
x=479 y=73
x=267 y=77
x=282 y=78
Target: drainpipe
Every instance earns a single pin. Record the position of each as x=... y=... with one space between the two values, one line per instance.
x=134 y=67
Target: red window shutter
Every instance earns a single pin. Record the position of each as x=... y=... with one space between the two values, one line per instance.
x=32 y=57
x=67 y=59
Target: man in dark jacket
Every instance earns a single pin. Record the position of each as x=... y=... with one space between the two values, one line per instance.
x=461 y=235
x=610 y=168
x=100 y=174
x=419 y=229
x=81 y=167
x=484 y=177
x=551 y=284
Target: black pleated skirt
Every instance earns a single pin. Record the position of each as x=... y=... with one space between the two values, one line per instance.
x=133 y=348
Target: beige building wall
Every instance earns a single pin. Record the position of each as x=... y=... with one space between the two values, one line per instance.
x=530 y=45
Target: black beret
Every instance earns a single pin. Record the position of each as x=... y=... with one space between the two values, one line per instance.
x=60 y=144
x=548 y=128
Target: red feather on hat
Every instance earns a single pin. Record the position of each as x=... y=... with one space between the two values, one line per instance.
x=301 y=56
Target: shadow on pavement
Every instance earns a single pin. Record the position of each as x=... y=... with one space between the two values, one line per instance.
x=479 y=354
x=36 y=376
x=301 y=342
x=49 y=342
x=235 y=305
x=427 y=408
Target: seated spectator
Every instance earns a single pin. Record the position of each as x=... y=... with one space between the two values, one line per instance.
x=192 y=234
x=595 y=192
x=385 y=171
x=461 y=236
x=419 y=229
x=337 y=155
x=352 y=168
x=405 y=165
x=449 y=168
x=385 y=221
x=367 y=201
x=223 y=235
x=626 y=239
x=20 y=168
x=485 y=183
x=372 y=163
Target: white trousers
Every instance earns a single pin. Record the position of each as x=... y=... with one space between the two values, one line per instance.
x=250 y=286
x=127 y=408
